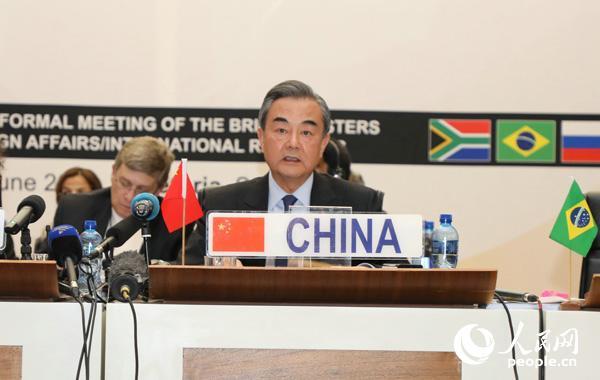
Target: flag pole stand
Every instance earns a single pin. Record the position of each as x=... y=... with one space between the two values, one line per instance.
x=571 y=274
x=183 y=198
x=183 y=234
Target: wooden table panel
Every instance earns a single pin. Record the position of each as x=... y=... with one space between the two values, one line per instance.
x=227 y=363
x=351 y=286
x=11 y=359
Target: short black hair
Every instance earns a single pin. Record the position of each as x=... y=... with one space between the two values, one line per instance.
x=293 y=89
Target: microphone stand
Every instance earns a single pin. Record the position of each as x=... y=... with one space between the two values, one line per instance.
x=106 y=264
x=25 y=243
x=146 y=235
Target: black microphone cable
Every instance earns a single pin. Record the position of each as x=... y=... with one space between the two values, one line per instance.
x=83 y=356
x=512 y=333
x=126 y=296
x=92 y=286
x=135 y=337
x=84 y=347
x=542 y=352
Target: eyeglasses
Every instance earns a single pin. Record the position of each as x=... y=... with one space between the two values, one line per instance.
x=126 y=185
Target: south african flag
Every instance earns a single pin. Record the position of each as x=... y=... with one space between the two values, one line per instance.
x=460 y=140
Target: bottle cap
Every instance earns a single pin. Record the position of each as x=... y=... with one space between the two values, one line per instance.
x=446 y=218
x=89 y=225
x=428 y=224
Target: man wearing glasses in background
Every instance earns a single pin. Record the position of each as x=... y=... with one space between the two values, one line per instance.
x=142 y=165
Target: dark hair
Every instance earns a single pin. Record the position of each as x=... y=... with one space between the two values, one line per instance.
x=91 y=178
x=293 y=89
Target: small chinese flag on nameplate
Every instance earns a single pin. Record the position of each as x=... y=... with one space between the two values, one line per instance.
x=238 y=234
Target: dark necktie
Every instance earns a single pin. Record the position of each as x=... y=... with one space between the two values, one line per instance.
x=288 y=200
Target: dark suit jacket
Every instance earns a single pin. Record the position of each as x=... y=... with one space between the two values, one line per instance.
x=253 y=195
x=8 y=253
x=75 y=209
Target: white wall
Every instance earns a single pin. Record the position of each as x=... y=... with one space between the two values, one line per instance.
x=430 y=55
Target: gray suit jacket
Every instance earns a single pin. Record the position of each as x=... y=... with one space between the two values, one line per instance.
x=253 y=195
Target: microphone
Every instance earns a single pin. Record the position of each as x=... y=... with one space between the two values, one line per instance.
x=332 y=158
x=516 y=296
x=128 y=275
x=145 y=207
x=29 y=210
x=117 y=235
x=63 y=242
x=64 y=246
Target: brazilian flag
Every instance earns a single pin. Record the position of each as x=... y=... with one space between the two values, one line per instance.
x=575 y=227
x=526 y=141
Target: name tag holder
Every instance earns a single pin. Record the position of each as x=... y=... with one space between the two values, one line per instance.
x=311 y=262
x=325 y=234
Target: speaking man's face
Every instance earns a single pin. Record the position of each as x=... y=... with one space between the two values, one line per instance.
x=292 y=140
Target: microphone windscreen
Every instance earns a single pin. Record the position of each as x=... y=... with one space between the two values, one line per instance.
x=123 y=230
x=63 y=242
x=129 y=262
x=36 y=203
x=128 y=272
x=145 y=207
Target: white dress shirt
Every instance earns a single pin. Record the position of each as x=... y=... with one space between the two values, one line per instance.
x=133 y=244
x=276 y=193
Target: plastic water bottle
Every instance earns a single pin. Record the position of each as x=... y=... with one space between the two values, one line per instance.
x=90 y=238
x=444 y=244
x=427 y=242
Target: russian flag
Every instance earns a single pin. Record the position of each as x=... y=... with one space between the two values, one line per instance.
x=581 y=141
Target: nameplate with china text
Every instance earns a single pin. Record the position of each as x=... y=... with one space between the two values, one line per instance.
x=314 y=235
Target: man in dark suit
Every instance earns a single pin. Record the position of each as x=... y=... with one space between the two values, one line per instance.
x=142 y=165
x=8 y=251
x=293 y=133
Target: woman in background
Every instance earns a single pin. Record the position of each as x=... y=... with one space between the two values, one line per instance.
x=73 y=181
x=76 y=180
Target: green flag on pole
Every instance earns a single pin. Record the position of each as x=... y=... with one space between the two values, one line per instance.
x=575 y=227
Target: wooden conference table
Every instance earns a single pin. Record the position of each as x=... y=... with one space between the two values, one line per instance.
x=211 y=339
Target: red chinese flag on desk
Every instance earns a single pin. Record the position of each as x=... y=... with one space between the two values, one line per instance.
x=173 y=205
x=238 y=234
